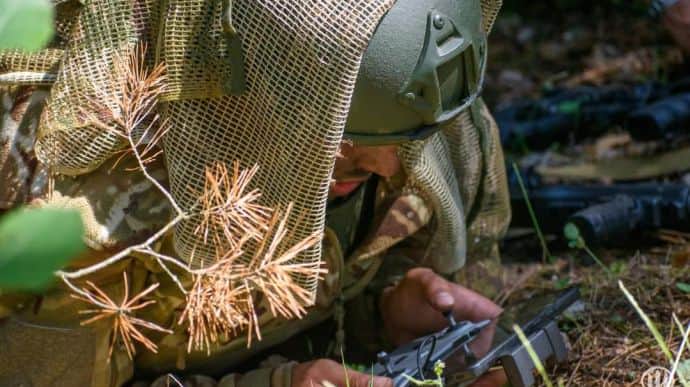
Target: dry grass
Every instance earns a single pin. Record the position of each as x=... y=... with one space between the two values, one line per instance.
x=611 y=345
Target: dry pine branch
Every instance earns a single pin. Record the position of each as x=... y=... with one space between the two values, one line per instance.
x=221 y=303
x=125 y=327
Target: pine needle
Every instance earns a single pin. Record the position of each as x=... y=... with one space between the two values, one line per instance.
x=125 y=326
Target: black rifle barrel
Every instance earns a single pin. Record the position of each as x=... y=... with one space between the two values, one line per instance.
x=605 y=214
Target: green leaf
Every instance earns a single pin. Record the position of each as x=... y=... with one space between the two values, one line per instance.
x=25 y=24
x=684 y=369
x=34 y=244
x=618 y=267
x=571 y=232
x=683 y=287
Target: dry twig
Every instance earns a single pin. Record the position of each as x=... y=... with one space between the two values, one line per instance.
x=221 y=301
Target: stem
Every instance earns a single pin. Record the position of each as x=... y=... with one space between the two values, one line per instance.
x=155 y=182
x=678 y=357
x=545 y=248
x=84 y=294
x=160 y=258
x=648 y=322
x=597 y=260
x=124 y=253
x=533 y=355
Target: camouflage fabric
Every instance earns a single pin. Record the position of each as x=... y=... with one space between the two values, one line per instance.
x=117 y=203
x=20 y=107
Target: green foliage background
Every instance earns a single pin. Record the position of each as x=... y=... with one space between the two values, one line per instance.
x=34 y=243
x=25 y=24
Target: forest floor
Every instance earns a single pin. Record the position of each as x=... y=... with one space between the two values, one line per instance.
x=557 y=43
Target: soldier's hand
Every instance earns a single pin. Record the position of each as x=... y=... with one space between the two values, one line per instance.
x=677 y=21
x=321 y=372
x=415 y=307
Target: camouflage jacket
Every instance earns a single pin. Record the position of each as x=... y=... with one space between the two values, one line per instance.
x=42 y=340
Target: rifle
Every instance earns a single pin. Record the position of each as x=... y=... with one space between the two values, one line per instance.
x=564 y=112
x=650 y=110
x=537 y=319
x=605 y=214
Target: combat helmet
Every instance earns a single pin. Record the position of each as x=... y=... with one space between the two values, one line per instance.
x=423 y=66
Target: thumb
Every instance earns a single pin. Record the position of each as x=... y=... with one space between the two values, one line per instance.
x=436 y=290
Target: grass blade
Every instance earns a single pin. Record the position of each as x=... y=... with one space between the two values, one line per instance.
x=546 y=254
x=650 y=324
x=533 y=355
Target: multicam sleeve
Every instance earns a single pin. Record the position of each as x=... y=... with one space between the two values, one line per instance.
x=20 y=108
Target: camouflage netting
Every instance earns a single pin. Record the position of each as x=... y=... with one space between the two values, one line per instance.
x=66 y=142
x=301 y=60
x=17 y=67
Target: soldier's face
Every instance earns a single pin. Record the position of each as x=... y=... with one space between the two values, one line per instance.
x=357 y=163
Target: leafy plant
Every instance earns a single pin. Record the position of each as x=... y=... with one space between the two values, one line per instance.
x=34 y=243
x=575 y=241
x=25 y=24
x=439 y=366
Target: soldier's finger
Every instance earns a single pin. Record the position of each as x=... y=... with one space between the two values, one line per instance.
x=473 y=306
x=436 y=289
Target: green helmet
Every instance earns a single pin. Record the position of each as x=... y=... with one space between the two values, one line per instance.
x=424 y=65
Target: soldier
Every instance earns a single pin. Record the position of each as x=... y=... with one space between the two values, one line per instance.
x=417 y=191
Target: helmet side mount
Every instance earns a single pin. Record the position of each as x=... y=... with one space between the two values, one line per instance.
x=448 y=61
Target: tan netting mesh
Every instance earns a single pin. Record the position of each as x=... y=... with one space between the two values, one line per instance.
x=460 y=173
x=195 y=50
x=302 y=59
x=66 y=16
x=42 y=61
x=490 y=215
x=104 y=28
x=21 y=68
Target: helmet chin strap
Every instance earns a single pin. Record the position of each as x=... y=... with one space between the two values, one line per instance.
x=237 y=84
